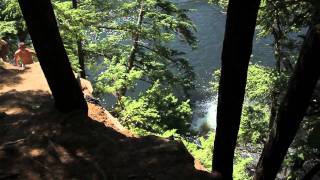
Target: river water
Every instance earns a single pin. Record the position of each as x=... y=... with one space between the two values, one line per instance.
x=210 y=23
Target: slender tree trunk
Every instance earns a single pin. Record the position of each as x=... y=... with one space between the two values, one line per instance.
x=237 y=48
x=42 y=26
x=134 y=49
x=74 y=4
x=277 y=35
x=292 y=107
x=22 y=35
x=80 y=48
x=287 y=64
x=135 y=38
x=81 y=59
x=277 y=52
x=273 y=108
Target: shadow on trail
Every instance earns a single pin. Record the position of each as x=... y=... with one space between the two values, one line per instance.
x=9 y=77
x=41 y=143
x=25 y=102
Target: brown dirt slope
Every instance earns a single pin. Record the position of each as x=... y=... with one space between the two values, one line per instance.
x=39 y=143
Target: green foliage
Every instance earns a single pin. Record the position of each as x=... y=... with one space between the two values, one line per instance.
x=240 y=171
x=254 y=124
x=115 y=77
x=256 y=108
x=74 y=24
x=11 y=20
x=156 y=111
x=138 y=38
x=260 y=80
x=134 y=41
x=288 y=16
x=12 y=24
x=202 y=150
x=222 y=3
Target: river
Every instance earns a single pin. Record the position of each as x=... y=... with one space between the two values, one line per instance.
x=210 y=22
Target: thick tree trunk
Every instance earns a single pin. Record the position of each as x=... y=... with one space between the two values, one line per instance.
x=237 y=48
x=292 y=107
x=42 y=26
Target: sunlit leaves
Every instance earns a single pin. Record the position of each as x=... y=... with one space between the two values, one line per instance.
x=116 y=76
x=157 y=110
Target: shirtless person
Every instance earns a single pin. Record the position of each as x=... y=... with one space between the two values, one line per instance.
x=24 y=55
x=4 y=49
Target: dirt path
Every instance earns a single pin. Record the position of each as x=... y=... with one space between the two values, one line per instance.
x=14 y=78
x=22 y=91
x=26 y=92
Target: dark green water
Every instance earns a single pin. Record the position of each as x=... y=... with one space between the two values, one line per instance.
x=210 y=22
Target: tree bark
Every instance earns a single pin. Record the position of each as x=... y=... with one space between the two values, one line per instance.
x=237 y=49
x=42 y=26
x=292 y=108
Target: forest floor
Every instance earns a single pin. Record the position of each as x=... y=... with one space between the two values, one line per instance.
x=39 y=143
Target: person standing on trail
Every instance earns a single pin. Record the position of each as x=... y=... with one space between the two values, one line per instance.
x=4 y=50
x=23 y=54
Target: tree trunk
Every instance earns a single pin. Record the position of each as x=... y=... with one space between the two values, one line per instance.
x=79 y=47
x=74 y=4
x=133 y=51
x=81 y=59
x=277 y=35
x=42 y=26
x=237 y=49
x=292 y=107
x=22 y=35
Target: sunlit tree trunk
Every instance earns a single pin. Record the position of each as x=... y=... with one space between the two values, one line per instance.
x=292 y=108
x=132 y=56
x=42 y=26
x=237 y=48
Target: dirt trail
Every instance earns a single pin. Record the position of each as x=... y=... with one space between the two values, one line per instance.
x=26 y=91
x=39 y=143
x=14 y=78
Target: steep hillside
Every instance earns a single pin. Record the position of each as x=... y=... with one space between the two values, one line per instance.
x=37 y=142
